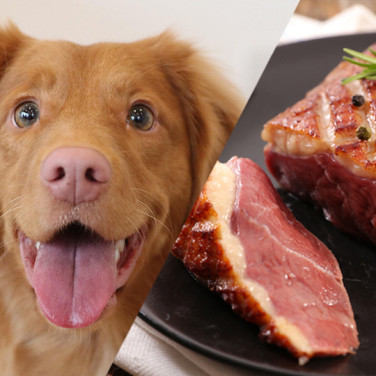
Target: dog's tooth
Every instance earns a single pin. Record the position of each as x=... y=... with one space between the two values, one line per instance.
x=120 y=244
x=117 y=255
x=37 y=245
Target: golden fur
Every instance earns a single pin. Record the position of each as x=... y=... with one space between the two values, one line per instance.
x=84 y=93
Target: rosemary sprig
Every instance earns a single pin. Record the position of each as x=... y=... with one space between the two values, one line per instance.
x=366 y=61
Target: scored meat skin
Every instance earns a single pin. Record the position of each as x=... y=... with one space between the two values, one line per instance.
x=290 y=283
x=318 y=136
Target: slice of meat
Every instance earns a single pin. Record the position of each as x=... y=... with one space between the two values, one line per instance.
x=346 y=199
x=243 y=243
x=324 y=148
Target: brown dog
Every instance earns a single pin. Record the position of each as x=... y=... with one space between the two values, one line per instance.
x=103 y=150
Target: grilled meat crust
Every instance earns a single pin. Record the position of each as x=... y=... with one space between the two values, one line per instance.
x=199 y=248
x=327 y=120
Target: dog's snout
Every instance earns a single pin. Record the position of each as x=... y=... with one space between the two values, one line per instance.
x=76 y=174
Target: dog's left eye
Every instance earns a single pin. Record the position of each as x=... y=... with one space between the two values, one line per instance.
x=140 y=117
x=26 y=114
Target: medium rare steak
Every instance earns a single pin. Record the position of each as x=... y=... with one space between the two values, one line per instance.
x=324 y=148
x=243 y=243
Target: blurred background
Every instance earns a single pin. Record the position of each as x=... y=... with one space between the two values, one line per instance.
x=324 y=9
x=325 y=18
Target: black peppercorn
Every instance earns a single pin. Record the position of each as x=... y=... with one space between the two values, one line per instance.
x=358 y=100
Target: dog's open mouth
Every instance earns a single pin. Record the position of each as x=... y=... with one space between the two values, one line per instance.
x=75 y=275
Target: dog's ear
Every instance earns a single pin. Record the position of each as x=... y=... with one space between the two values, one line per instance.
x=11 y=40
x=211 y=104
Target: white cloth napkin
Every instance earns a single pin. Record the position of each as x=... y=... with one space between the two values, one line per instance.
x=146 y=352
x=356 y=19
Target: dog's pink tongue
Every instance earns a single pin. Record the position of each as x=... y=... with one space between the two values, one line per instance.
x=74 y=279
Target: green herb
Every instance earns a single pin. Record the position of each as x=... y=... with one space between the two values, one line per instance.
x=367 y=62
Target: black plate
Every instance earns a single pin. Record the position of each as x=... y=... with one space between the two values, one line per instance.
x=186 y=312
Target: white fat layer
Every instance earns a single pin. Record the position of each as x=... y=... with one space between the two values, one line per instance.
x=324 y=122
x=288 y=141
x=294 y=334
x=221 y=191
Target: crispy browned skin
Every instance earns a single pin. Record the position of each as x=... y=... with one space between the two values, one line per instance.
x=198 y=247
x=306 y=121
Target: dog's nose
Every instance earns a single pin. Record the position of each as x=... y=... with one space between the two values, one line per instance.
x=76 y=174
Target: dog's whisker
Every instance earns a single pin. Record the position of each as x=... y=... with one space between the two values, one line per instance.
x=3 y=215
x=163 y=207
x=108 y=227
x=12 y=207
x=149 y=212
x=12 y=200
x=153 y=196
x=4 y=244
x=11 y=203
x=9 y=272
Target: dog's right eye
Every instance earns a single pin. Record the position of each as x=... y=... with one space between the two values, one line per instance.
x=26 y=114
x=140 y=117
